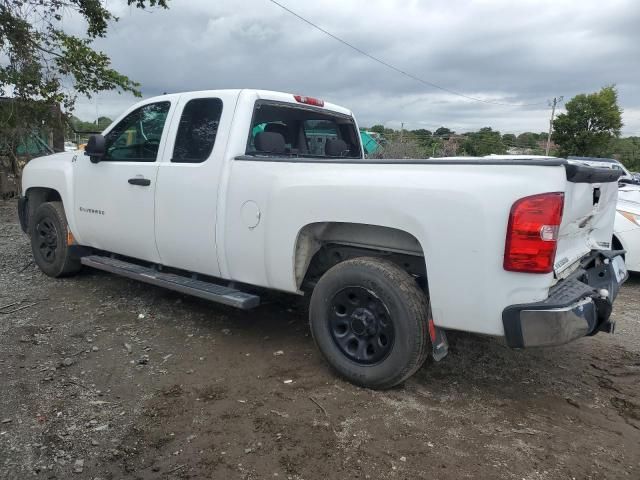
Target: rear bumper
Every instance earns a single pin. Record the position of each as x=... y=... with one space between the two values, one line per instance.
x=577 y=306
x=23 y=213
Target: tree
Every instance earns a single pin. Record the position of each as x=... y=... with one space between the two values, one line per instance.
x=509 y=139
x=422 y=137
x=528 y=140
x=421 y=132
x=41 y=65
x=590 y=125
x=82 y=126
x=484 y=142
x=443 y=132
x=397 y=149
x=378 y=129
x=627 y=150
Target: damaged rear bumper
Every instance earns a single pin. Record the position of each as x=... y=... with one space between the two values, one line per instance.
x=577 y=306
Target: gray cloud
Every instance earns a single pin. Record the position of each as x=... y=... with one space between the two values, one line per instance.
x=517 y=52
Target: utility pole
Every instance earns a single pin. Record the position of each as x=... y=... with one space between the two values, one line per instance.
x=401 y=131
x=552 y=103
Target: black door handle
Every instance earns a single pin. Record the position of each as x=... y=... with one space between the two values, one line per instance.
x=143 y=182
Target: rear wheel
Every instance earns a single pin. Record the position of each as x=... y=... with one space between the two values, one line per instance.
x=369 y=319
x=49 y=241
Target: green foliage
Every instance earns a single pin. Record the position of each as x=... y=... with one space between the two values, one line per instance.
x=484 y=142
x=43 y=62
x=509 y=139
x=42 y=66
x=80 y=126
x=17 y=130
x=627 y=150
x=528 y=140
x=590 y=125
x=443 y=131
x=421 y=132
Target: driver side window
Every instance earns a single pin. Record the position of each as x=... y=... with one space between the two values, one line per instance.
x=137 y=137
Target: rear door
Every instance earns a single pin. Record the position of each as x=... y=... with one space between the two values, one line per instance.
x=189 y=181
x=114 y=199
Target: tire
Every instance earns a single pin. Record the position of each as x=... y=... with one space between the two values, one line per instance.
x=369 y=319
x=49 y=241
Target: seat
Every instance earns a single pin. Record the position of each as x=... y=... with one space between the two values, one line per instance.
x=336 y=147
x=280 y=128
x=270 y=142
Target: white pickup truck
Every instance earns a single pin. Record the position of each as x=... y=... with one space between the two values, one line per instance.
x=223 y=194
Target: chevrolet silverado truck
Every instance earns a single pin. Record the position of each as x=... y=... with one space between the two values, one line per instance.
x=227 y=194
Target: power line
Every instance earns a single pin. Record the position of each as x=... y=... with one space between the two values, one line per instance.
x=396 y=69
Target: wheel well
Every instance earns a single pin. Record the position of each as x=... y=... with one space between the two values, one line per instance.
x=616 y=244
x=320 y=246
x=37 y=196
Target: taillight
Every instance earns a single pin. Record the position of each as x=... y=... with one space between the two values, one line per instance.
x=532 y=234
x=316 y=102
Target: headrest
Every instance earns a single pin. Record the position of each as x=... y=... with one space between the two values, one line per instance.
x=277 y=128
x=269 y=142
x=336 y=148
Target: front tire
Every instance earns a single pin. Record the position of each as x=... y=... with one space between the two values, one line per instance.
x=49 y=241
x=369 y=319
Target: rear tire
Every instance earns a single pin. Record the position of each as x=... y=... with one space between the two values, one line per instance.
x=369 y=319
x=49 y=241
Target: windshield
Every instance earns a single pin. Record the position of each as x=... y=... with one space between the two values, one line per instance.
x=280 y=129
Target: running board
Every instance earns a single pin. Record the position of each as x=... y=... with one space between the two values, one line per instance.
x=189 y=286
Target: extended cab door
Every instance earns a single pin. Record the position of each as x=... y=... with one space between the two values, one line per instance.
x=114 y=199
x=189 y=181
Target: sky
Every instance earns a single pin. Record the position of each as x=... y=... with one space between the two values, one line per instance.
x=523 y=52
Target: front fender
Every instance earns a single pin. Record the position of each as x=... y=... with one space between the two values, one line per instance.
x=53 y=172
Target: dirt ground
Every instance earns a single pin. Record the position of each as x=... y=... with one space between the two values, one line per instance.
x=105 y=378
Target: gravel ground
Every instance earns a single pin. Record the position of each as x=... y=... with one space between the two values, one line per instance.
x=106 y=378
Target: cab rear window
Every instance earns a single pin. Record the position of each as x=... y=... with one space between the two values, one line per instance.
x=280 y=129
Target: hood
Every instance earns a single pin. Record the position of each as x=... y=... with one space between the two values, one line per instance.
x=629 y=193
x=629 y=206
x=55 y=157
x=52 y=171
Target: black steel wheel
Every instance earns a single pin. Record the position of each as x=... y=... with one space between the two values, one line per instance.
x=47 y=239
x=48 y=228
x=369 y=319
x=361 y=325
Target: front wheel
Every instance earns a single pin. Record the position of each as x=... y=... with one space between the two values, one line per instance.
x=49 y=241
x=369 y=319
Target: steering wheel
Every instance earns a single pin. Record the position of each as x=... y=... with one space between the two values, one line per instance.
x=151 y=145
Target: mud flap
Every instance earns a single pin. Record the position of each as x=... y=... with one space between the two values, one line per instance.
x=439 y=343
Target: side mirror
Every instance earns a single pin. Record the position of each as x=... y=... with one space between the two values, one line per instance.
x=95 y=148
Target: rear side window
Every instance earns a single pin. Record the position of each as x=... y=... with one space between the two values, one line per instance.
x=197 y=130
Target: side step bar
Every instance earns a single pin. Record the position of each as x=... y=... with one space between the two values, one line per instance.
x=189 y=286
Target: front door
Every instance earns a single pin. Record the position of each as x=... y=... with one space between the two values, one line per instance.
x=114 y=199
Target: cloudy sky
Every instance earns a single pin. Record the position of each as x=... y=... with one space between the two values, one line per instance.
x=523 y=52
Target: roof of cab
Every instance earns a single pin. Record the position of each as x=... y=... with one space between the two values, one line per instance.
x=261 y=95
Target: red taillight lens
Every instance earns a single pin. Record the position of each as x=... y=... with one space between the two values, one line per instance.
x=316 y=102
x=532 y=234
